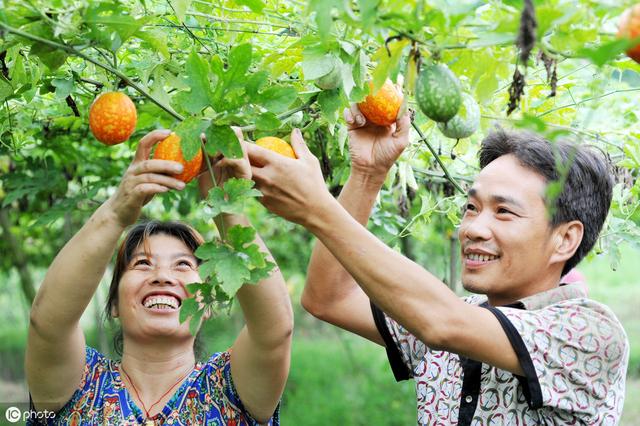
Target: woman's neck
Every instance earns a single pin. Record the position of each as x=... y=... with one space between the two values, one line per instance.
x=150 y=371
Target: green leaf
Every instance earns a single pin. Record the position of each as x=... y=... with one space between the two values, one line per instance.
x=231 y=271
x=606 y=52
x=18 y=73
x=180 y=7
x=388 y=65
x=189 y=131
x=322 y=10
x=255 y=83
x=239 y=62
x=492 y=39
x=315 y=66
x=347 y=78
x=207 y=269
x=255 y=5
x=259 y=274
x=157 y=40
x=238 y=189
x=113 y=18
x=52 y=57
x=232 y=198
x=194 y=324
x=64 y=87
x=6 y=89
x=230 y=265
x=223 y=139
x=268 y=121
x=200 y=95
x=188 y=308
x=368 y=9
x=330 y=103
x=277 y=99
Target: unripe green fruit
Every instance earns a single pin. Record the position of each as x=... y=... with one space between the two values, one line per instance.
x=438 y=92
x=296 y=118
x=465 y=122
x=332 y=80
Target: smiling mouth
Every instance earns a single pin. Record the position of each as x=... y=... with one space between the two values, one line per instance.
x=484 y=258
x=477 y=261
x=166 y=303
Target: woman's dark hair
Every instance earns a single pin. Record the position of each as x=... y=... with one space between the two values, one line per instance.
x=137 y=235
x=584 y=172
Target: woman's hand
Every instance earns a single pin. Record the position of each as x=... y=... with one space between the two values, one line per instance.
x=374 y=148
x=143 y=179
x=225 y=168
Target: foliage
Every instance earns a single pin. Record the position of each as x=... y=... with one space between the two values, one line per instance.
x=197 y=67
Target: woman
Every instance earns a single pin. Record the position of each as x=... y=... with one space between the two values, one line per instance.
x=158 y=380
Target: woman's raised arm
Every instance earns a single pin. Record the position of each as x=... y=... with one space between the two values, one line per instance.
x=261 y=355
x=55 y=354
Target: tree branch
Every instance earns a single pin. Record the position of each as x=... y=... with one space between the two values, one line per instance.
x=109 y=68
x=286 y=114
x=586 y=100
x=437 y=157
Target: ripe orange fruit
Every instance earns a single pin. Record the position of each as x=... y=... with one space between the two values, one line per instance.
x=170 y=149
x=382 y=107
x=629 y=27
x=277 y=145
x=112 y=118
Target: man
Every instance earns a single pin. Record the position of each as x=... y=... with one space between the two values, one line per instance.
x=527 y=352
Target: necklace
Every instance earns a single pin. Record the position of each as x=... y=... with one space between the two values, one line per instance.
x=148 y=421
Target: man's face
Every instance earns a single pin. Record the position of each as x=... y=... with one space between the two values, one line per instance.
x=505 y=237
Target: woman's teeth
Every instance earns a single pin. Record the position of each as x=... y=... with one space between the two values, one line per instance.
x=161 y=302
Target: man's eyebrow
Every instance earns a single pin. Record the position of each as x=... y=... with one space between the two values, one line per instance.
x=496 y=199
x=507 y=200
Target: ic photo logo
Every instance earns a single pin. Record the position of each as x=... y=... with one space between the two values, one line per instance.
x=14 y=415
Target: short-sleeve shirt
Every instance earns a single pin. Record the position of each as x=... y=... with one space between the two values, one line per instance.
x=206 y=397
x=573 y=351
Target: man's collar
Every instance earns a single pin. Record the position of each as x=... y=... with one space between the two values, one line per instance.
x=564 y=291
x=575 y=290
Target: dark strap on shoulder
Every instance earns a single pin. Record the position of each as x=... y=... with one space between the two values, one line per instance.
x=400 y=370
x=529 y=382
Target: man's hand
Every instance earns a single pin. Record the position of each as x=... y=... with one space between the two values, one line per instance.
x=374 y=148
x=225 y=168
x=292 y=188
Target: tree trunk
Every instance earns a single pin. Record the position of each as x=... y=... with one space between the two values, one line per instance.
x=20 y=261
x=454 y=284
x=100 y=329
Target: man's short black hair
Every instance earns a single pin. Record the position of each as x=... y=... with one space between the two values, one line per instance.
x=588 y=185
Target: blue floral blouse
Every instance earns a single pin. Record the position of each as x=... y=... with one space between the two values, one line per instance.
x=206 y=397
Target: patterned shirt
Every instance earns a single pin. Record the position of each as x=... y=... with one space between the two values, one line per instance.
x=573 y=352
x=206 y=397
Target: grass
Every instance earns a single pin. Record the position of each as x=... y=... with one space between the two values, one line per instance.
x=338 y=378
x=620 y=290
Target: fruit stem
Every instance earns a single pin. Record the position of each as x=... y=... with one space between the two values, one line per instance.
x=435 y=155
x=220 y=224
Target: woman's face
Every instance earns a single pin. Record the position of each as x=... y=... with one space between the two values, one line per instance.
x=153 y=288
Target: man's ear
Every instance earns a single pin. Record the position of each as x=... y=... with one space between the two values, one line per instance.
x=566 y=240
